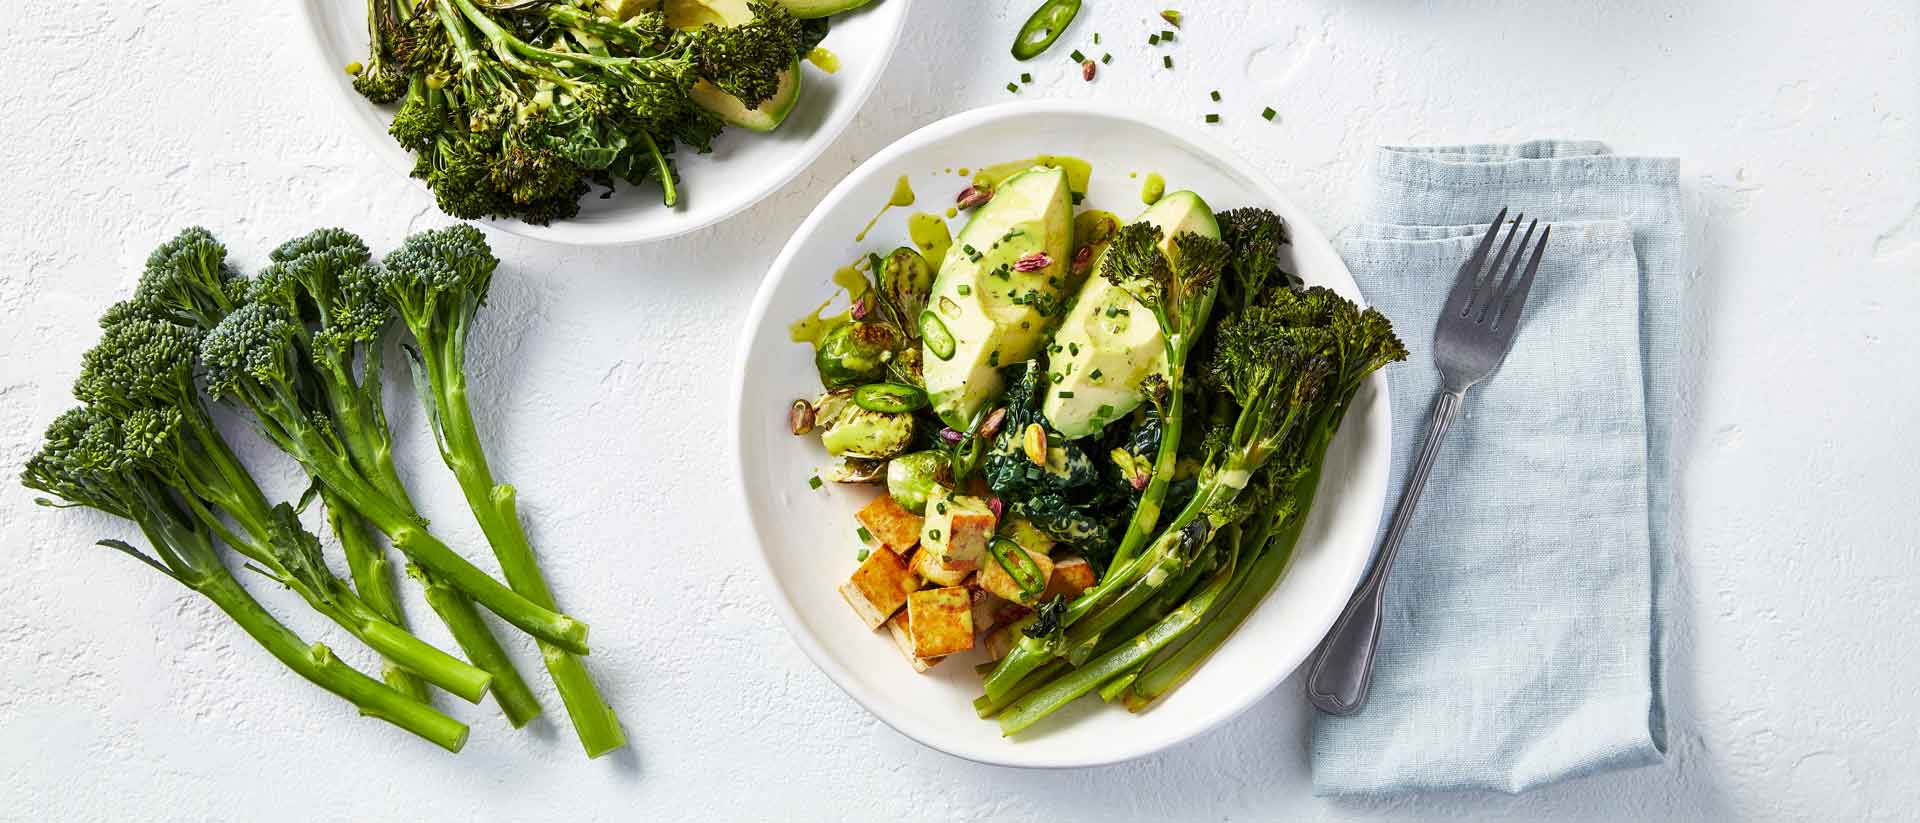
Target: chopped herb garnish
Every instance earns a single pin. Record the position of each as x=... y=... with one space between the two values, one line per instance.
x=865 y=536
x=1066 y=395
x=1166 y=60
x=813 y=482
x=1166 y=37
x=1213 y=118
x=1106 y=58
x=1216 y=95
x=1078 y=57
x=1096 y=38
x=1077 y=197
x=942 y=507
x=1095 y=374
x=862 y=556
x=1106 y=410
x=1268 y=113
x=1153 y=39
x=993 y=358
x=1073 y=349
x=1026 y=77
x=963 y=289
x=1013 y=88
x=933 y=534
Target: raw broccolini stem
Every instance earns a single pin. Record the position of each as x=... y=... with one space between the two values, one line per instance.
x=438 y=281
x=510 y=689
x=317 y=664
x=372 y=576
x=493 y=507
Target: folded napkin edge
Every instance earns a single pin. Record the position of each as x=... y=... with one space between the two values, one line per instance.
x=1439 y=171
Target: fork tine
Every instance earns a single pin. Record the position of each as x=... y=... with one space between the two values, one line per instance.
x=1469 y=276
x=1487 y=292
x=1517 y=298
x=1497 y=301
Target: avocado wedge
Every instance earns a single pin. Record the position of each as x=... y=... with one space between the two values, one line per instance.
x=809 y=9
x=690 y=14
x=1108 y=342
x=983 y=312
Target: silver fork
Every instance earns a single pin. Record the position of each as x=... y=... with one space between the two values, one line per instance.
x=1474 y=333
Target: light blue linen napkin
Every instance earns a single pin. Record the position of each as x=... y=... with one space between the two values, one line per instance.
x=1523 y=636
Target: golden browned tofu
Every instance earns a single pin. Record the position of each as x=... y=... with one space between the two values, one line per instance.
x=879 y=587
x=994 y=578
x=991 y=610
x=957 y=528
x=928 y=566
x=940 y=621
x=896 y=527
x=1071 y=576
x=903 y=640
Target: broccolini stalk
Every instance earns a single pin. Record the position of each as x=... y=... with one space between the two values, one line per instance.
x=251 y=356
x=1178 y=290
x=326 y=276
x=1116 y=663
x=438 y=280
x=141 y=375
x=84 y=462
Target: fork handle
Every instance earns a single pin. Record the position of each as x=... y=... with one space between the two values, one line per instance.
x=1342 y=668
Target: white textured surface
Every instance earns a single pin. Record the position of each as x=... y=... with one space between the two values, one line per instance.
x=121 y=697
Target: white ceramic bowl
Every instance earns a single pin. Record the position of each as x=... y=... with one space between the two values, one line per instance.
x=743 y=167
x=806 y=537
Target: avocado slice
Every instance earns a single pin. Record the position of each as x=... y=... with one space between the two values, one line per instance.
x=1108 y=342
x=809 y=9
x=692 y=14
x=983 y=314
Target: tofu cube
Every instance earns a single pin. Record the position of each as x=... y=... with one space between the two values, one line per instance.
x=940 y=621
x=892 y=525
x=957 y=528
x=1071 y=576
x=903 y=640
x=1021 y=530
x=879 y=587
x=928 y=566
x=994 y=578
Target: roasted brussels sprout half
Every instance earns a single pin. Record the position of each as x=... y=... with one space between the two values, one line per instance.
x=856 y=353
x=906 y=280
x=911 y=477
x=868 y=435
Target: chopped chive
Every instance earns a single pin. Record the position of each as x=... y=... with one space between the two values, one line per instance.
x=1213 y=118
x=1013 y=88
x=1106 y=58
x=1077 y=197
x=933 y=534
x=1215 y=95
x=1166 y=37
x=1066 y=395
x=1153 y=39
x=1268 y=113
x=963 y=289
x=865 y=536
x=943 y=508
x=1026 y=77
x=1095 y=374
x=813 y=482
x=1166 y=60
x=1096 y=38
x=1106 y=410
x=862 y=556
x=1078 y=57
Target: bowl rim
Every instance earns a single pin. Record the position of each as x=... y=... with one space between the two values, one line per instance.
x=570 y=233
x=1036 y=758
